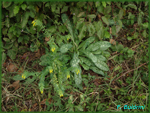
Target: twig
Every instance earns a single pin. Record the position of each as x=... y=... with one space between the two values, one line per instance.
x=131 y=70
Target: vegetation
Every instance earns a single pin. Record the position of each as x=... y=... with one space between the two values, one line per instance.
x=74 y=56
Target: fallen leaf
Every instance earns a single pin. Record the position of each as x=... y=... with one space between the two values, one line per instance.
x=11 y=68
x=110 y=30
x=47 y=39
x=25 y=55
x=37 y=54
x=15 y=85
x=112 y=41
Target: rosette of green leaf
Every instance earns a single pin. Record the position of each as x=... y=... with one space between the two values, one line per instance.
x=92 y=55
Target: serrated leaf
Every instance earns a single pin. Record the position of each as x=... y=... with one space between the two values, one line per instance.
x=105 y=20
x=96 y=70
x=101 y=65
x=64 y=48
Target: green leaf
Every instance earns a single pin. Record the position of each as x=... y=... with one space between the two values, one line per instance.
x=6 y=4
x=96 y=70
x=64 y=48
x=85 y=43
x=81 y=14
x=86 y=67
x=129 y=38
x=82 y=32
x=105 y=20
x=91 y=16
x=131 y=6
x=97 y=4
x=104 y=4
x=25 y=19
x=75 y=60
x=17 y=77
x=6 y=39
x=29 y=80
x=91 y=56
x=3 y=57
x=97 y=52
x=64 y=9
x=120 y=15
x=67 y=22
x=85 y=60
x=33 y=47
x=23 y=6
x=93 y=47
x=77 y=77
x=145 y=25
x=101 y=65
x=113 y=30
x=20 y=39
x=12 y=53
x=144 y=34
x=140 y=19
x=107 y=34
x=16 y=10
x=91 y=29
x=101 y=57
x=80 y=108
x=104 y=45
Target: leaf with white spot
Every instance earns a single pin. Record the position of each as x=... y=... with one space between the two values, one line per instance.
x=64 y=48
x=104 y=45
x=75 y=60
